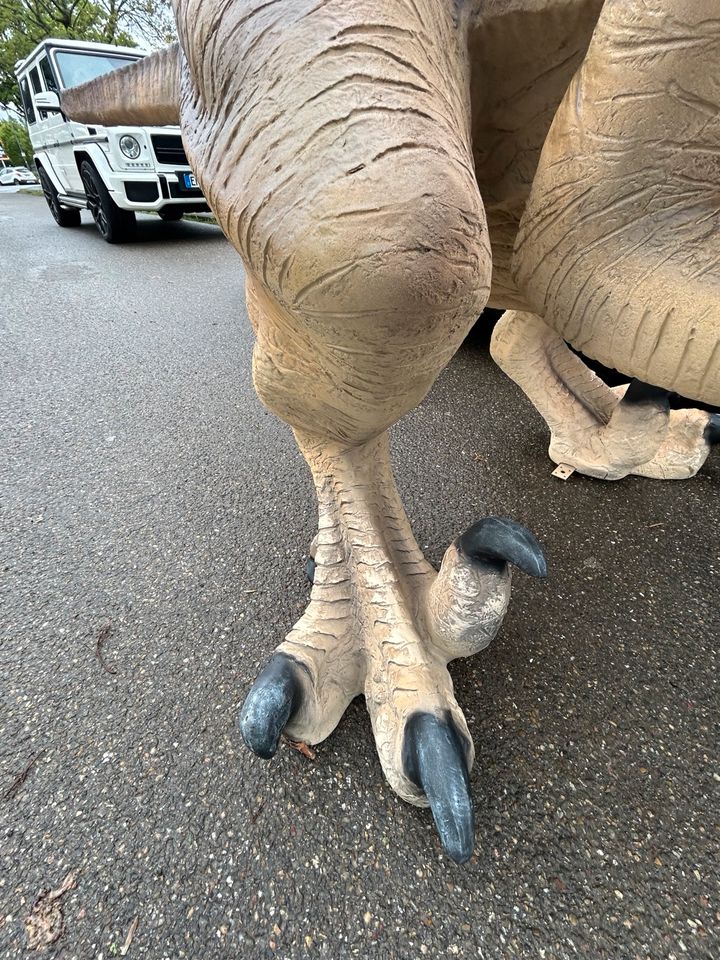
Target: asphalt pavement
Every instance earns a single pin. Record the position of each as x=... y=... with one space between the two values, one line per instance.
x=155 y=520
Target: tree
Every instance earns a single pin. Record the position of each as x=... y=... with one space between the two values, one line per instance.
x=15 y=141
x=24 y=23
x=148 y=20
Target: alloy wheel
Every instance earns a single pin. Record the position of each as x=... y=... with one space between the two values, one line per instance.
x=95 y=204
x=50 y=197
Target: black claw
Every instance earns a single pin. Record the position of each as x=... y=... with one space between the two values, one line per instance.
x=639 y=392
x=310 y=566
x=272 y=700
x=500 y=540
x=712 y=430
x=434 y=759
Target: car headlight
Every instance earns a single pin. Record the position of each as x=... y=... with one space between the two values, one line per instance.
x=130 y=147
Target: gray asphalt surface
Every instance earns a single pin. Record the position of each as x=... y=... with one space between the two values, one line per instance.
x=155 y=520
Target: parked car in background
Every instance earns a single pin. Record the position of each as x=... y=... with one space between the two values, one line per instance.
x=17 y=176
x=112 y=171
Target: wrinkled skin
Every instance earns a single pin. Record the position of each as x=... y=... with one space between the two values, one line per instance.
x=384 y=169
x=619 y=243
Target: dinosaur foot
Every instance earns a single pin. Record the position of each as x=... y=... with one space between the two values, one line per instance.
x=680 y=440
x=383 y=623
x=687 y=441
x=612 y=449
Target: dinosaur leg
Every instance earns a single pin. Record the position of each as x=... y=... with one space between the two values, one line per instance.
x=382 y=622
x=598 y=431
x=341 y=169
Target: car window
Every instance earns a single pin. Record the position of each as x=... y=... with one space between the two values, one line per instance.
x=35 y=80
x=48 y=76
x=78 y=67
x=27 y=101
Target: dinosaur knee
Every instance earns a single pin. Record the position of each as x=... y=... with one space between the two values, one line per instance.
x=368 y=299
x=413 y=242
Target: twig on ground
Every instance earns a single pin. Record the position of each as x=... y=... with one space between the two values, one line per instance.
x=129 y=938
x=256 y=813
x=102 y=634
x=21 y=777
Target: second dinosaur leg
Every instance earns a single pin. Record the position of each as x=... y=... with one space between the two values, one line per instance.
x=598 y=431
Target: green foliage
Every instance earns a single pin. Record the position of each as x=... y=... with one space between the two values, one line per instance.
x=24 y=23
x=16 y=142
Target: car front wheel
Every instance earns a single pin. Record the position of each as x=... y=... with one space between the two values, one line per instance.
x=64 y=216
x=114 y=225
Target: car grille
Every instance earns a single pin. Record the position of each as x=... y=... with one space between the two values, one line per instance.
x=169 y=149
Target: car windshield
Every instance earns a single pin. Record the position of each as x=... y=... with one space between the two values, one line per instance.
x=21 y=170
x=79 y=67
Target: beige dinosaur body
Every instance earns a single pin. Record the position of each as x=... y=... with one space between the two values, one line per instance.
x=619 y=243
x=383 y=169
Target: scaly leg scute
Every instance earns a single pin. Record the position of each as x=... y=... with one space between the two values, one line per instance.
x=381 y=621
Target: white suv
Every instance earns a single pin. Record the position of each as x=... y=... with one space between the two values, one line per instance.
x=112 y=171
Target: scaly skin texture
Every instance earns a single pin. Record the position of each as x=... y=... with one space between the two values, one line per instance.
x=523 y=56
x=620 y=239
x=146 y=93
x=629 y=141
x=359 y=295
x=619 y=242
x=355 y=155
x=381 y=620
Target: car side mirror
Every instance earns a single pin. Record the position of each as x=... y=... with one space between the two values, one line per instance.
x=50 y=102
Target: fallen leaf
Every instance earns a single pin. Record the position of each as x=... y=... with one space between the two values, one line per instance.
x=301 y=747
x=45 y=925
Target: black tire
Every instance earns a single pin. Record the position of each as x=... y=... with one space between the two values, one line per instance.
x=169 y=214
x=64 y=216
x=114 y=225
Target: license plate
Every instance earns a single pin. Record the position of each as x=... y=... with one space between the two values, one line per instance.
x=189 y=181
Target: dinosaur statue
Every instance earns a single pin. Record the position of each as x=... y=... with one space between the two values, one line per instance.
x=384 y=170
